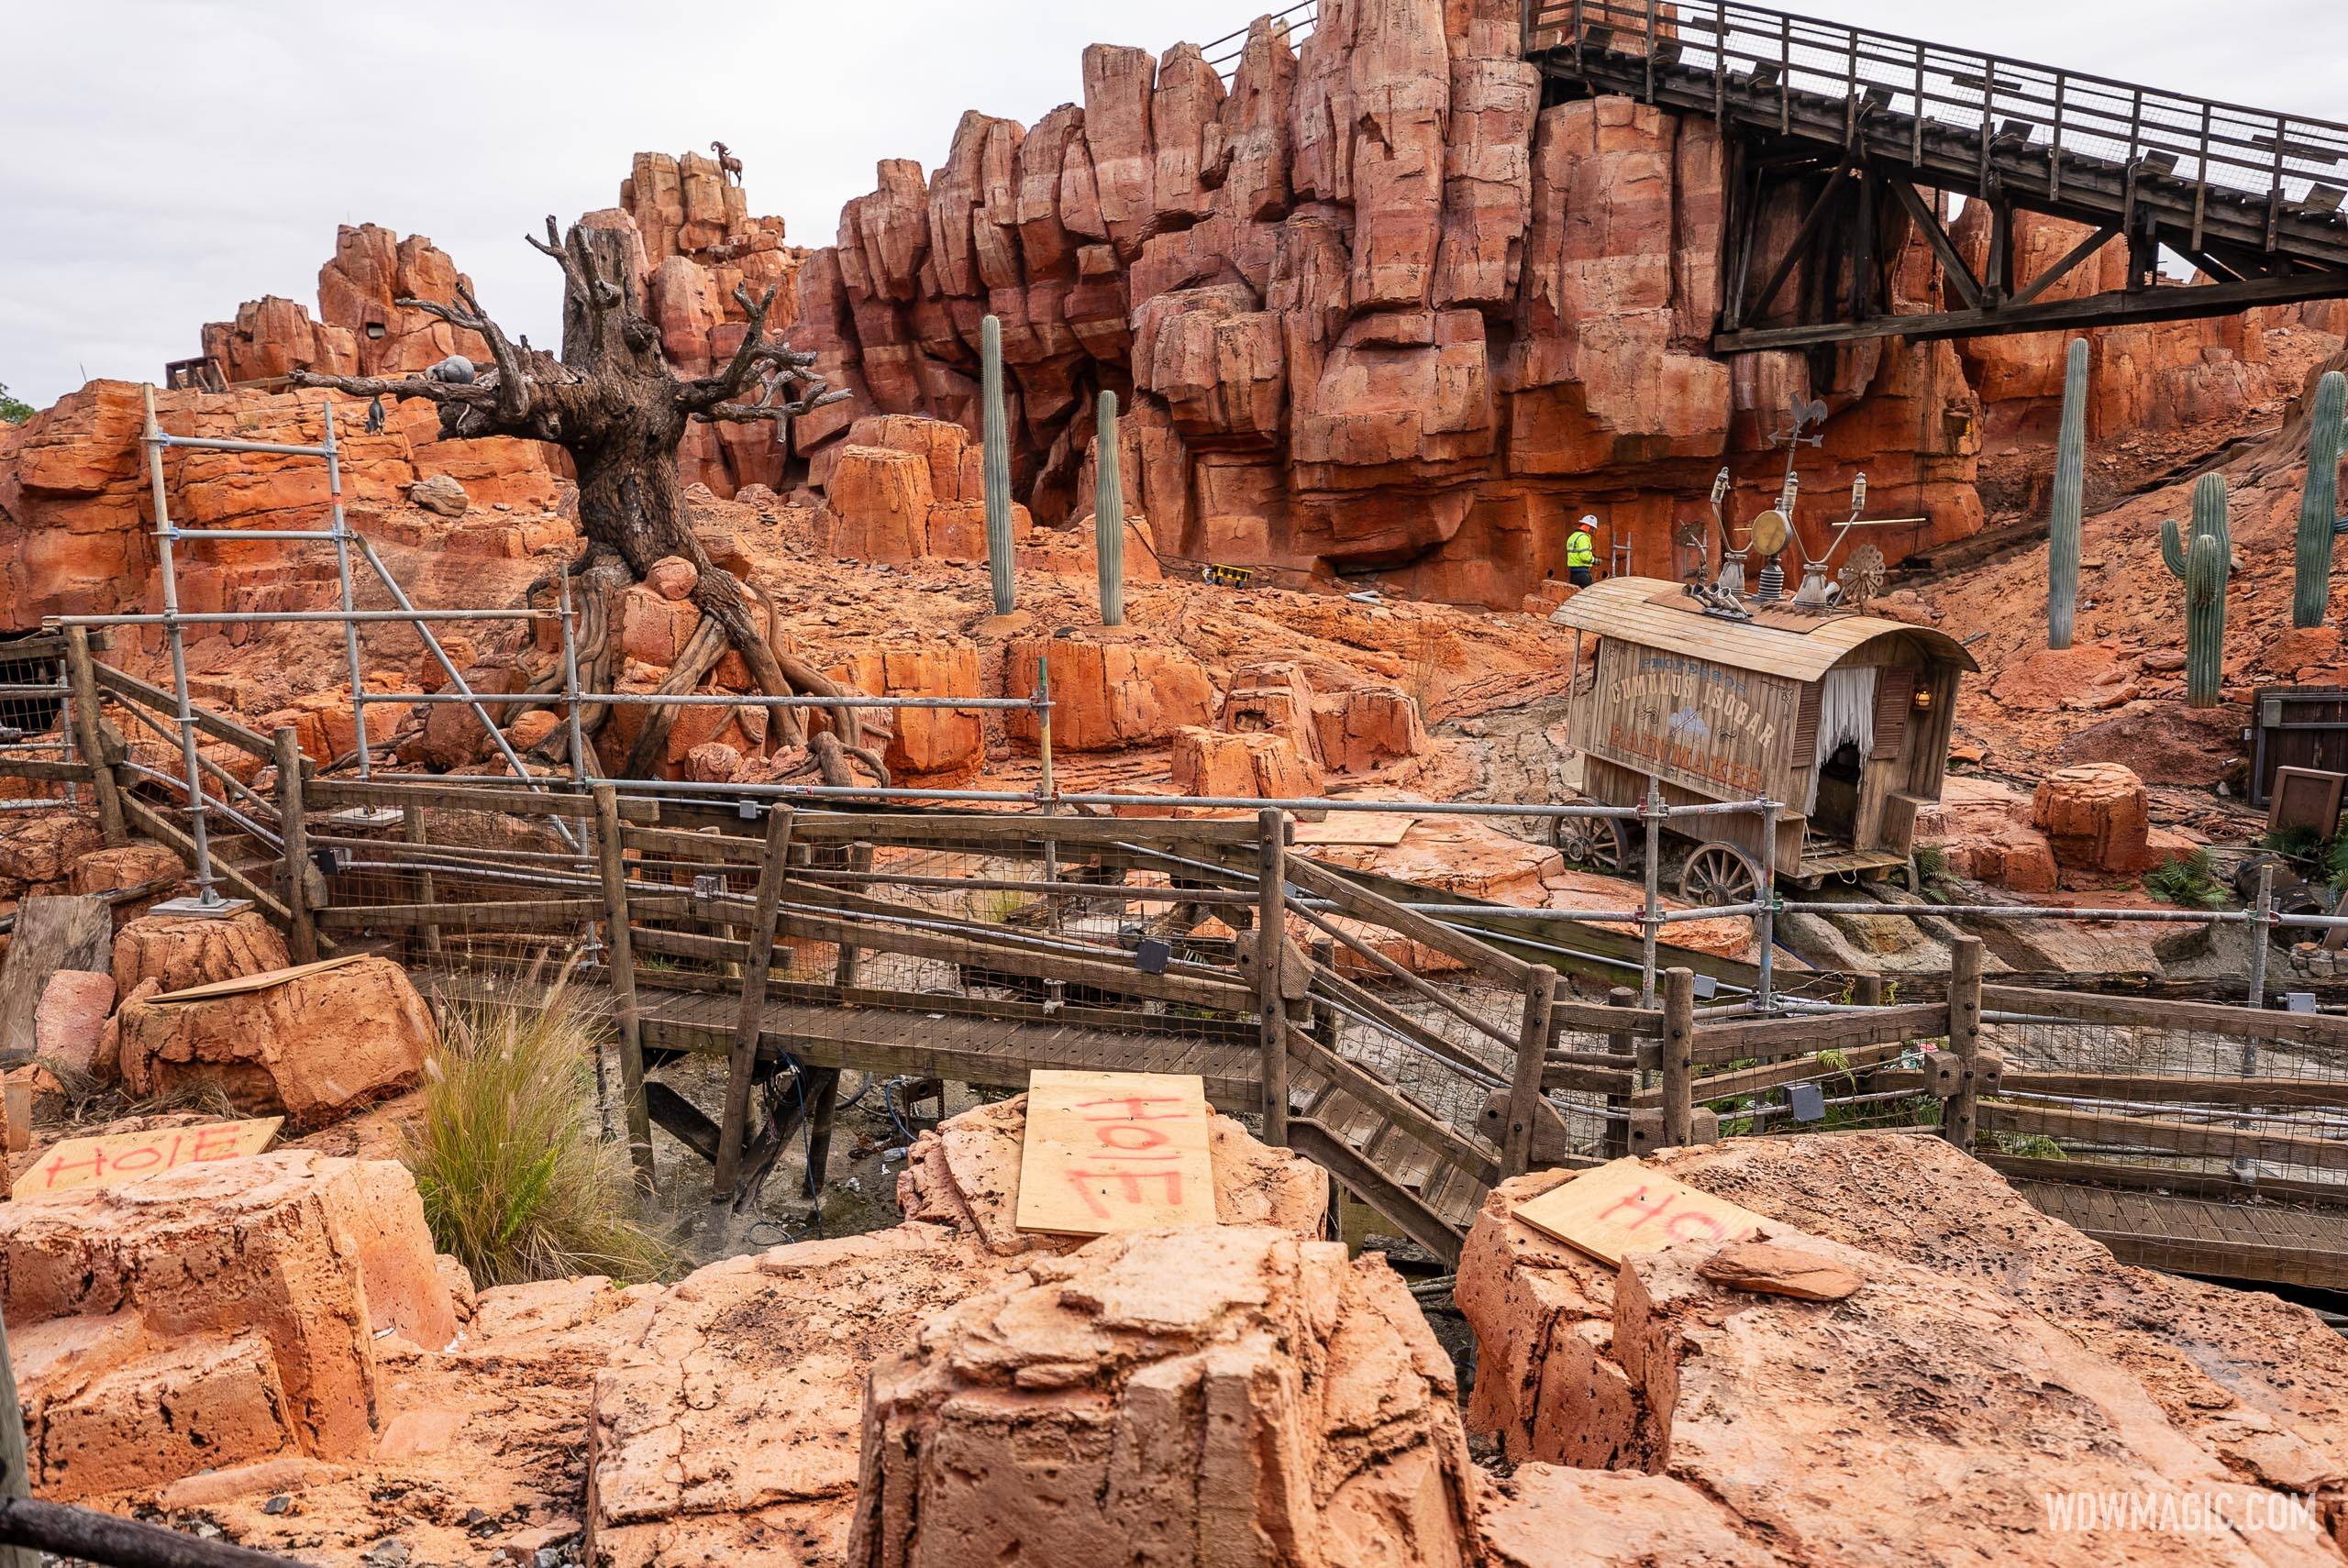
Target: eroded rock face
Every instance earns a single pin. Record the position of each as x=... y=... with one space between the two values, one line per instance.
x=1369 y=308
x=1176 y=1397
x=313 y=1047
x=179 y=951
x=2098 y=815
x=1970 y=1307
x=213 y=1315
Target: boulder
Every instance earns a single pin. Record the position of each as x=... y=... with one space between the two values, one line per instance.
x=314 y=1046
x=39 y=849
x=1969 y=1305
x=125 y=866
x=439 y=494
x=217 y=1314
x=672 y=577
x=70 y=1024
x=179 y=950
x=925 y=743
x=1212 y=764
x=1111 y=688
x=2097 y=815
x=1182 y=1396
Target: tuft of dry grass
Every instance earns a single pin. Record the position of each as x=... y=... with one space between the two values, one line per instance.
x=517 y=1185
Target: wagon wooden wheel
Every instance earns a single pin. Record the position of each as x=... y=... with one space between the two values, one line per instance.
x=1599 y=843
x=1719 y=873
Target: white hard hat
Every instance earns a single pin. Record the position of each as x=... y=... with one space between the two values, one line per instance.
x=1589 y=522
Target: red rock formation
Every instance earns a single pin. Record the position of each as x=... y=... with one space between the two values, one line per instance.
x=211 y=1315
x=73 y=496
x=1369 y=311
x=315 y=1047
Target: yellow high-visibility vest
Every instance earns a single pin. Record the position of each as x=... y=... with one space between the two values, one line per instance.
x=1581 y=549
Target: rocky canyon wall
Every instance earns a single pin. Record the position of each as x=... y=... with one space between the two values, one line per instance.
x=1372 y=310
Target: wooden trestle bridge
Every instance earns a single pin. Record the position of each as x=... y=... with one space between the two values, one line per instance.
x=1864 y=133
x=1419 y=1057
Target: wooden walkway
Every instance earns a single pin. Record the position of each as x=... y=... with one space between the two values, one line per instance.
x=2265 y=1243
x=1342 y=1115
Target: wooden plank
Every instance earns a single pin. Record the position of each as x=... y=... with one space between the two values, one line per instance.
x=1755 y=1080
x=1015 y=832
x=125 y=1157
x=1808 y=1033
x=1361 y=1000
x=1325 y=1147
x=1366 y=830
x=239 y=985
x=533 y=914
x=611 y=867
x=1363 y=904
x=2152 y=1088
x=335 y=794
x=89 y=733
x=52 y=769
x=1111 y=1152
x=1307 y=1054
x=757 y=971
x=53 y=933
x=2174 y=1137
x=2209 y=1018
x=135 y=689
x=1622 y=1206
x=1271 y=960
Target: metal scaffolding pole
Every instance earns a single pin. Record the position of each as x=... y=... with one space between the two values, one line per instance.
x=207 y=899
x=341 y=530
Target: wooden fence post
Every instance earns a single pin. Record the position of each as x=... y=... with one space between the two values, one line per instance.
x=1271 y=954
x=89 y=733
x=743 y=1066
x=844 y=973
x=1531 y=1058
x=1678 y=1057
x=1617 y=1136
x=294 y=836
x=412 y=830
x=611 y=853
x=1867 y=990
x=1960 y=1121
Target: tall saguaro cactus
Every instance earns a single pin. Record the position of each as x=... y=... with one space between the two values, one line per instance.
x=2203 y=564
x=1109 y=514
x=997 y=442
x=2319 y=502
x=2070 y=483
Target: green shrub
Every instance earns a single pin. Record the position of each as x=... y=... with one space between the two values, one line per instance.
x=2187 y=881
x=2293 y=843
x=517 y=1186
x=14 y=410
x=1932 y=864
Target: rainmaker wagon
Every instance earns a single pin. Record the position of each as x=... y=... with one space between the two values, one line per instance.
x=1842 y=719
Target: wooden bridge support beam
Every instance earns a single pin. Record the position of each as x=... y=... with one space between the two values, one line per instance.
x=822 y=1086
x=611 y=855
x=1271 y=936
x=755 y=969
x=90 y=736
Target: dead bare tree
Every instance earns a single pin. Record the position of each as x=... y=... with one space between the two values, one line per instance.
x=615 y=403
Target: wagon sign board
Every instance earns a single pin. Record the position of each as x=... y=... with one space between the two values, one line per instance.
x=1704 y=726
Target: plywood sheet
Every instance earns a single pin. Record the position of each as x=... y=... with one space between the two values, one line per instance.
x=1111 y=1152
x=126 y=1157
x=1368 y=830
x=52 y=934
x=238 y=985
x=1624 y=1207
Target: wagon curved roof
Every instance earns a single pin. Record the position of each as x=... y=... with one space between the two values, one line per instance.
x=1658 y=615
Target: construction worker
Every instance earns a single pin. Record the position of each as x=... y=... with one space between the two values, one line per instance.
x=1581 y=553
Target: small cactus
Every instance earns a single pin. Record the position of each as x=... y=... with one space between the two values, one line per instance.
x=2319 y=502
x=1109 y=515
x=2203 y=563
x=2070 y=477
x=997 y=441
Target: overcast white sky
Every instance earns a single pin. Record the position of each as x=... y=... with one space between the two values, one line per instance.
x=165 y=159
